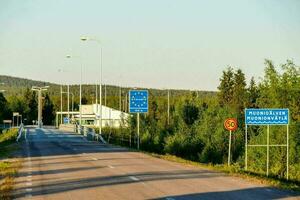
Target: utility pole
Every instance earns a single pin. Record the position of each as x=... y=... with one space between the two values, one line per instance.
x=126 y=102
x=39 y=89
x=168 y=107
x=80 y=87
x=120 y=99
x=85 y=38
x=105 y=94
x=68 y=103
x=61 y=103
x=96 y=96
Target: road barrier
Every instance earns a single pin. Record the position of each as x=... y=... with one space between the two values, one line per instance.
x=89 y=132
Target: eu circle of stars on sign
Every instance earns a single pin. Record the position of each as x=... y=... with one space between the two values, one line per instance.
x=138 y=101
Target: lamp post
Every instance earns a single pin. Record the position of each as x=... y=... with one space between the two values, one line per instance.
x=68 y=96
x=168 y=106
x=72 y=94
x=39 y=89
x=85 y=38
x=80 y=89
x=61 y=99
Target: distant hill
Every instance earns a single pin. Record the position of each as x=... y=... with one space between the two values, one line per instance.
x=17 y=86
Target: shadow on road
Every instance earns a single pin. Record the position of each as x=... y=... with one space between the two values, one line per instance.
x=49 y=148
x=59 y=186
x=257 y=193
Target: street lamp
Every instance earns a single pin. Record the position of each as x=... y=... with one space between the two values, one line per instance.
x=85 y=38
x=39 y=89
x=80 y=88
x=72 y=94
x=68 y=95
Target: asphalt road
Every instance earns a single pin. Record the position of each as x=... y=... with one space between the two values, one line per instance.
x=66 y=166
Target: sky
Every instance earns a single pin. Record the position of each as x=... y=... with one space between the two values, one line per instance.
x=182 y=44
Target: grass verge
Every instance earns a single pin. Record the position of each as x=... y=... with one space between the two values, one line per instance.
x=8 y=167
x=8 y=170
x=235 y=170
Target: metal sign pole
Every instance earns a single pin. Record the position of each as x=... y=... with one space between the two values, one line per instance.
x=268 y=148
x=287 y=152
x=229 y=148
x=246 y=150
x=138 y=130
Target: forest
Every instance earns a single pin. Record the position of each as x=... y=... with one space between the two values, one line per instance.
x=196 y=132
x=195 y=128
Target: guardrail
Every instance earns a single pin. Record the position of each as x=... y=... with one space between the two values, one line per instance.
x=88 y=132
x=20 y=131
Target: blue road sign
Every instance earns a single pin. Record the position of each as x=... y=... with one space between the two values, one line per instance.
x=66 y=120
x=267 y=116
x=138 y=101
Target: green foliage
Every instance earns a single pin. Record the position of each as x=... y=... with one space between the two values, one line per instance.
x=4 y=108
x=48 y=111
x=190 y=112
x=8 y=137
x=195 y=129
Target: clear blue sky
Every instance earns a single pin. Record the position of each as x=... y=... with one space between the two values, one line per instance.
x=157 y=43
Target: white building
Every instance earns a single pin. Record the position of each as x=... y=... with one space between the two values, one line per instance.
x=91 y=116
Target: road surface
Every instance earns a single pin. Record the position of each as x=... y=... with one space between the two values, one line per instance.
x=66 y=166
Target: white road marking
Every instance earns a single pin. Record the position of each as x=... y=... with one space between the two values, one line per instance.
x=134 y=178
x=28 y=189
x=93 y=158
x=29 y=176
x=112 y=167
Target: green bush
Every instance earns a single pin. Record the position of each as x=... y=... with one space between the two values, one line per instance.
x=9 y=136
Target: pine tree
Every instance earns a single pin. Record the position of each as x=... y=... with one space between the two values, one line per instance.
x=239 y=94
x=4 y=109
x=48 y=111
x=226 y=87
x=253 y=94
x=30 y=100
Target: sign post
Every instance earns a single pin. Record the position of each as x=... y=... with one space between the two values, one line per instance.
x=231 y=125
x=267 y=117
x=138 y=103
x=66 y=120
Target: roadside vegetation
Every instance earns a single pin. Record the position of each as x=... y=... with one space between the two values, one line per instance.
x=8 y=167
x=196 y=131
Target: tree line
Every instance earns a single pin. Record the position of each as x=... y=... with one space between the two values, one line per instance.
x=26 y=105
x=196 y=130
